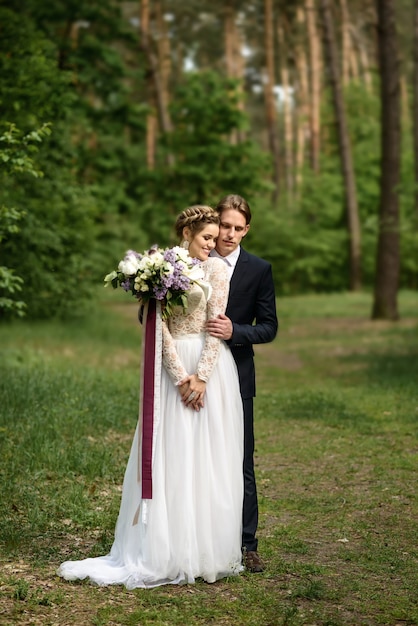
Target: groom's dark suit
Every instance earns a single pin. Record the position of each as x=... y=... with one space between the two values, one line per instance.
x=251 y=299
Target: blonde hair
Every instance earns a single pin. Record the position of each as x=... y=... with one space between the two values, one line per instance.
x=195 y=218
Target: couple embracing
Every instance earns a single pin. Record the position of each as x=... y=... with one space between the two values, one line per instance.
x=201 y=519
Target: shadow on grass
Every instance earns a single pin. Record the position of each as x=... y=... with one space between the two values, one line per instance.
x=382 y=384
x=384 y=378
x=389 y=369
x=313 y=405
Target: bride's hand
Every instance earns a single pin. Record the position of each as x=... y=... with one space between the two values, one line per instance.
x=184 y=387
x=192 y=391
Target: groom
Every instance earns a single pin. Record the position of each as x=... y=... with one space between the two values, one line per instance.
x=251 y=299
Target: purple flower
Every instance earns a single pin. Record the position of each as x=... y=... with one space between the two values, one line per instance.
x=126 y=284
x=170 y=256
x=159 y=293
x=167 y=281
x=180 y=283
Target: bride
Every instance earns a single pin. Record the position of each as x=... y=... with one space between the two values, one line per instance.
x=190 y=526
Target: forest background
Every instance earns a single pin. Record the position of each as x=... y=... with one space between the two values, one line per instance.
x=117 y=115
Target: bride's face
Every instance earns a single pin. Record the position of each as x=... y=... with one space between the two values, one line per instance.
x=204 y=241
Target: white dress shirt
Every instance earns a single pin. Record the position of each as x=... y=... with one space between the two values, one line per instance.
x=230 y=260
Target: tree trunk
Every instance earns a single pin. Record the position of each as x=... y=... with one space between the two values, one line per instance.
x=415 y=104
x=240 y=75
x=405 y=106
x=164 y=54
x=360 y=45
x=151 y=120
x=229 y=33
x=350 y=66
x=315 y=75
x=151 y=140
x=229 y=28
x=345 y=43
x=234 y=62
x=302 y=107
x=270 y=98
x=354 y=62
x=155 y=80
x=345 y=148
x=364 y=63
x=387 y=265
x=287 y=115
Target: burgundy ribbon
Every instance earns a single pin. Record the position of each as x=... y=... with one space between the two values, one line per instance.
x=148 y=400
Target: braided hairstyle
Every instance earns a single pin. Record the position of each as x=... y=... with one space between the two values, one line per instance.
x=195 y=218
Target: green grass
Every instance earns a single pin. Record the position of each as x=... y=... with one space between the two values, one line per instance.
x=336 y=459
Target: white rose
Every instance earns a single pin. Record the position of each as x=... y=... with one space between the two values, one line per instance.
x=181 y=253
x=129 y=265
x=150 y=262
x=140 y=285
x=157 y=259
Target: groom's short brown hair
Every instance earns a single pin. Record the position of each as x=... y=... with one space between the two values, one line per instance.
x=236 y=202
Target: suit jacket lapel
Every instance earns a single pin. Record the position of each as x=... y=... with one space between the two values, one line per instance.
x=239 y=271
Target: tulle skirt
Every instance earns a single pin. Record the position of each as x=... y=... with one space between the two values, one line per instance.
x=192 y=526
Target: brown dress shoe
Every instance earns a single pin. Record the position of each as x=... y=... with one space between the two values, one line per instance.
x=252 y=561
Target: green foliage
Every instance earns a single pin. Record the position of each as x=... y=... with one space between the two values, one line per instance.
x=78 y=69
x=33 y=91
x=15 y=149
x=205 y=115
x=10 y=284
x=9 y=219
x=409 y=216
x=302 y=251
x=205 y=165
x=49 y=249
x=307 y=242
x=97 y=50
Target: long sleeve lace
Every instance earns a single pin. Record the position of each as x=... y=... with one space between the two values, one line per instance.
x=217 y=275
x=194 y=321
x=171 y=360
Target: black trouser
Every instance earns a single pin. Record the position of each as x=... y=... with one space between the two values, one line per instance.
x=250 y=508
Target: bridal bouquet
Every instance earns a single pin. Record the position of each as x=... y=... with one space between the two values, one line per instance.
x=166 y=275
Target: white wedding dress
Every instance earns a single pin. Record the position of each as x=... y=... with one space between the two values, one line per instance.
x=191 y=528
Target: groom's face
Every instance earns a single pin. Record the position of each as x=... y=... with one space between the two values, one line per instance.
x=232 y=230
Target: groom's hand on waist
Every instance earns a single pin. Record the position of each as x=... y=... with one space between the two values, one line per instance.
x=220 y=327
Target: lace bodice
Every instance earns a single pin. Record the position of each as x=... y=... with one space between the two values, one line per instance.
x=193 y=322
